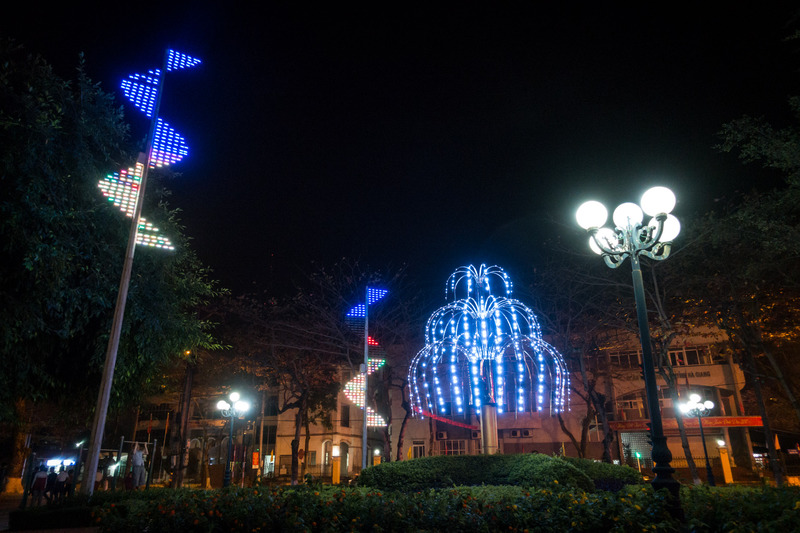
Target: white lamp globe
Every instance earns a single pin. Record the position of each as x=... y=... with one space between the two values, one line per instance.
x=607 y=238
x=671 y=229
x=708 y=404
x=627 y=214
x=658 y=200
x=222 y=404
x=591 y=214
x=242 y=406
x=234 y=397
x=684 y=408
x=694 y=398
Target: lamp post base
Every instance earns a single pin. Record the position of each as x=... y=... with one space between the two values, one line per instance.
x=663 y=477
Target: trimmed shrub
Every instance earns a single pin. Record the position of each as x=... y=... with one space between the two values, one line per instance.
x=528 y=470
x=333 y=509
x=607 y=476
x=537 y=470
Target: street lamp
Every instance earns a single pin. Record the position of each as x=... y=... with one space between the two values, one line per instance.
x=696 y=408
x=234 y=410
x=336 y=465
x=631 y=238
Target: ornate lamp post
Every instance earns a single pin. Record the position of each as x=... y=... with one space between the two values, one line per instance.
x=696 y=408
x=631 y=238
x=234 y=411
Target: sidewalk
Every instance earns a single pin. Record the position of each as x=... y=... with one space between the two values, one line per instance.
x=9 y=502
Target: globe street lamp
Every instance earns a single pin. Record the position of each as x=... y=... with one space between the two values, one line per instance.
x=696 y=408
x=237 y=409
x=631 y=238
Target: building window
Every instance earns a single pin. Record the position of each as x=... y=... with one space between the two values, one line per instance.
x=418 y=449
x=690 y=356
x=627 y=359
x=271 y=409
x=344 y=419
x=452 y=447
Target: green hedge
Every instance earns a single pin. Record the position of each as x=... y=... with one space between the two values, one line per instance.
x=478 y=508
x=333 y=509
x=607 y=476
x=527 y=470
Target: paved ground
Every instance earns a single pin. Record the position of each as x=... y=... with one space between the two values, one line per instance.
x=9 y=502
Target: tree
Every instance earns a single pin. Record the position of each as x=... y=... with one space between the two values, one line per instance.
x=567 y=311
x=584 y=309
x=63 y=248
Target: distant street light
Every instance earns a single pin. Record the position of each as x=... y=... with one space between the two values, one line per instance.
x=696 y=408
x=234 y=411
x=630 y=238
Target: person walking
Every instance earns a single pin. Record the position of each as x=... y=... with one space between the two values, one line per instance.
x=61 y=485
x=138 y=466
x=38 y=485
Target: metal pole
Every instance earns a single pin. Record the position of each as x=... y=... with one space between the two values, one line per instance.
x=119 y=461
x=99 y=423
x=366 y=373
x=660 y=452
x=260 y=472
x=152 y=458
x=709 y=472
x=227 y=479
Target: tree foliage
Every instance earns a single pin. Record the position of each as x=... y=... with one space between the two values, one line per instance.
x=63 y=247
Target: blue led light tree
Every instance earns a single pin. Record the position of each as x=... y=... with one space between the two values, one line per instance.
x=126 y=190
x=484 y=349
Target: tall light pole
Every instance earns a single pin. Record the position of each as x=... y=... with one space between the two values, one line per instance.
x=371 y=296
x=696 y=408
x=164 y=147
x=234 y=411
x=631 y=238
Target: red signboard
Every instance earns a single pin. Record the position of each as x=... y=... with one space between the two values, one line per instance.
x=255 y=460
x=690 y=423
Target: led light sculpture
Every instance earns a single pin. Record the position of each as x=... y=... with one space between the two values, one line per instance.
x=485 y=349
x=630 y=238
x=166 y=146
x=356 y=389
x=126 y=190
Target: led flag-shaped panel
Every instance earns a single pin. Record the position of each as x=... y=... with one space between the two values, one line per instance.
x=354 y=389
x=167 y=146
x=142 y=89
x=122 y=189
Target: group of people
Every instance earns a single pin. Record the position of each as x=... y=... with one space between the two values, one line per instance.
x=52 y=486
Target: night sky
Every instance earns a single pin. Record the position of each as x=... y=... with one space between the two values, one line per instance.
x=433 y=136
